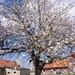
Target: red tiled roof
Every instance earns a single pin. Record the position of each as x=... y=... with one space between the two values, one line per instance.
x=57 y=64
x=60 y=63
x=7 y=63
x=71 y=59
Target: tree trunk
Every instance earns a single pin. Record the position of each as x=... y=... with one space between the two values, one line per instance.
x=37 y=70
x=38 y=66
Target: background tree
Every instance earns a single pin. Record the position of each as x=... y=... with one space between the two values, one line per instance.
x=41 y=28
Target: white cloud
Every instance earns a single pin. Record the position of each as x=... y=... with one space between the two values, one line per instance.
x=1 y=17
x=4 y=21
x=2 y=0
x=72 y=11
x=1 y=8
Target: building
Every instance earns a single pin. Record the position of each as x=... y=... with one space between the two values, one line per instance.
x=12 y=68
x=16 y=71
x=66 y=66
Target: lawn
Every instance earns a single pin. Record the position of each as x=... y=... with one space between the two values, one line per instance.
x=68 y=74
x=64 y=74
x=58 y=74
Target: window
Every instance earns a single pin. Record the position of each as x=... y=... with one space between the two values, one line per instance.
x=8 y=72
x=14 y=72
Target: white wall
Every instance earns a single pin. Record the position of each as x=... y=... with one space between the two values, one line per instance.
x=12 y=72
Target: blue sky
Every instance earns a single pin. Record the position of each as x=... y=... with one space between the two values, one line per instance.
x=11 y=0
x=26 y=55
x=62 y=1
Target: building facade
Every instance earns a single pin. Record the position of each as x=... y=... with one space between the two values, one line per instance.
x=12 y=68
x=66 y=66
x=16 y=71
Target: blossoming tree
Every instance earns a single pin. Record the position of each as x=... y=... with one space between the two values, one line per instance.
x=42 y=28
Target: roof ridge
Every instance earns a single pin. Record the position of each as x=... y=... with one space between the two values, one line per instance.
x=7 y=63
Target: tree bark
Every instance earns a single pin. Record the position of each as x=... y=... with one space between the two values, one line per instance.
x=38 y=66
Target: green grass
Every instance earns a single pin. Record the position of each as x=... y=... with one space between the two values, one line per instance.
x=58 y=74
x=68 y=74
x=65 y=74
